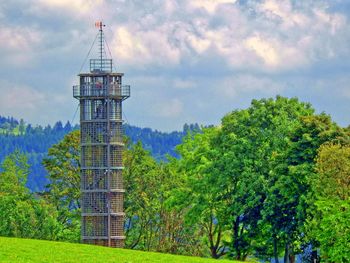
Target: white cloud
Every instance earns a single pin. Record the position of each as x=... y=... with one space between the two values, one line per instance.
x=199 y=44
x=209 y=5
x=170 y=6
x=277 y=55
x=283 y=11
x=144 y=47
x=264 y=50
x=127 y=46
x=279 y=37
x=17 y=45
x=77 y=6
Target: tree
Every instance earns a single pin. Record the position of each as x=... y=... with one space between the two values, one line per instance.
x=67 y=127
x=21 y=127
x=141 y=204
x=21 y=213
x=332 y=193
x=299 y=162
x=15 y=170
x=63 y=192
x=58 y=127
x=249 y=143
x=176 y=234
x=151 y=223
x=197 y=196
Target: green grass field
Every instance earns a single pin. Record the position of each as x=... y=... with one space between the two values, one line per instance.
x=31 y=250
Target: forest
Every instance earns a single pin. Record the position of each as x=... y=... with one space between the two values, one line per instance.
x=272 y=181
x=35 y=141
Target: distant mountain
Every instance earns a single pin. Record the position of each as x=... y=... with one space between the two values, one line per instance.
x=35 y=142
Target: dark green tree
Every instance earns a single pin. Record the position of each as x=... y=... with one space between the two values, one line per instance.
x=21 y=213
x=63 y=191
x=21 y=127
x=298 y=164
x=263 y=191
x=196 y=195
x=331 y=188
x=141 y=203
x=151 y=224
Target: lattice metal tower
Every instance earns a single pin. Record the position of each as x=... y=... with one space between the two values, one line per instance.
x=100 y=95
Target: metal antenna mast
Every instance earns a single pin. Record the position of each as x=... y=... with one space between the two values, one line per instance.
x=101 y=47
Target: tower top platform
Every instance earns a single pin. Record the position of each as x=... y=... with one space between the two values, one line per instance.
x=100 y=73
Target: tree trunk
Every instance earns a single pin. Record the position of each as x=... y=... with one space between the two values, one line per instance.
x=216 y=248
x=291 y=258
x=236 y=239
x=314 y=257
x=214 y=253
x=211 y=238
x=286 y=253
x=275 y=248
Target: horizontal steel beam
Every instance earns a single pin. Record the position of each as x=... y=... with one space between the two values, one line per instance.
x=102 y=168
x=103 y=191
x=103 y=214
x=103 y=237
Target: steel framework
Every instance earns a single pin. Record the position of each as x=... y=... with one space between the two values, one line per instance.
x=100 y=94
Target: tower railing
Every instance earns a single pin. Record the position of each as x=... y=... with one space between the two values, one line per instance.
x=99 y=90
x=101 y=65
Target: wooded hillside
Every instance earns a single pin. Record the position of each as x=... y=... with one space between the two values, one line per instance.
x=35 y=141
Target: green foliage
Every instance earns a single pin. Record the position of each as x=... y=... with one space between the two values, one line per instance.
x=259 y=194
x=14 y=174
x=21 y=213
x=63 y=192
x=332 y=193
x=197 y=196
x=248 y=187
x=150 y=224
x=306 y=140
x=250 y=177
x=141 y=185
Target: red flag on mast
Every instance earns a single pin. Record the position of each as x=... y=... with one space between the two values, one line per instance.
x=98 y=24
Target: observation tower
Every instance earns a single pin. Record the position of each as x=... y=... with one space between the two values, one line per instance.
x=100 y=93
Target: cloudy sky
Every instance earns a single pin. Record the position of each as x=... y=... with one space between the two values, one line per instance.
x=187 y=60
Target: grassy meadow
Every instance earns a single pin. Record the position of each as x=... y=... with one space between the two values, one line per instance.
x=31 y=250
